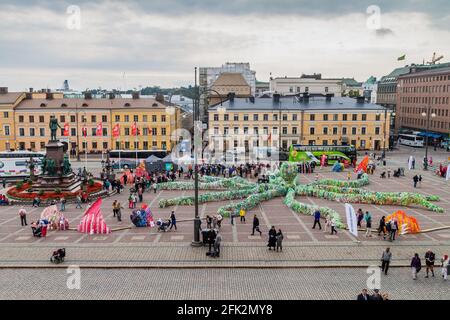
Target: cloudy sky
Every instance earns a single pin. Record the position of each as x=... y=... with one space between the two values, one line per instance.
x=159 y=42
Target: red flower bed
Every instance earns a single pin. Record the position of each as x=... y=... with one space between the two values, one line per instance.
x=23 y=194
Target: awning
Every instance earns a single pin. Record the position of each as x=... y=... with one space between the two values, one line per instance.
x=430 y=135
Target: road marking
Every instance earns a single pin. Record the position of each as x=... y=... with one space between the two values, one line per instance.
x=177 y=238
x=137 y=238
x=22 y=238
x=61 y=238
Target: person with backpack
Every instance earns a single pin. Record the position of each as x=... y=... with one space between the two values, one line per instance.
x=386 y=260
x=416 y=265
x=429 y=262
x=256 y=226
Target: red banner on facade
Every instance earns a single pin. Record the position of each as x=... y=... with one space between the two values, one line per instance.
x=84 y=131
x=99 y=129
x=66 y=130
x=134 y=129
x=116 y=131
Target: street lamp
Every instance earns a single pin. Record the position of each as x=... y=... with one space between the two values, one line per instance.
x=427 y=115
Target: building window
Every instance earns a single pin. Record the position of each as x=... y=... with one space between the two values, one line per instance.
x=294 y=130
x=145 y=132
x=216 y=117
x=245 y=117
x=145 y=143
x=364 y=117
x=344 y=131
x=225 y=130
x=353 y=142
x=145 y=119
x=5 y=114
x=326 y=89
x=104 y=118
x=335 y=142
x=154 y=118
x=275 y=117
x=33 y=145
x=294 y=118
x=42 y=145
x=298 y=89
x=117 y=118
x=285 y=117
x=105 y=145
x=105 y=132
x=275 y=130
x=94 y=145
x=136 y=145
x=256 y=130
x=73 y=132
x=377 y=130
x=42 y=132
x=163 y=118
x=127 y=131
x=245 y=130
x=363 y=144
x=21 y=132
x=335 y=117
x=72 y=119
x=265 y=117
x=236 y=130
x=31 y=118
x=41 y=119
x=353 y=130
x=312 y=117
x=164 y=145
x=216 y=130
x=126 y=118
x=377 y=117
x=344 y=117
x=154 y=144
x=127 y=145
x=325 y=130
x=335 y=130
x=7 y=132
x=284 y=130
x=20 y=118
x=93 y=119
x=363 y=130
x=163 y=131
x=62 y=119
x=135 y=118
x=311 y=142
x=325 y=142
x=255 y=117
x=154 y=131
x=325 y=117
x=236 y=117
x=226 y=117
x=306 y=89
x=354 y=117
x=94 y=131
x=265 y=130
x=312 y=131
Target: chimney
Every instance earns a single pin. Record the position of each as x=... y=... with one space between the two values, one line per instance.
x=49 y=96
x=306 y=97
x=276 y=97
x=231 y=96
x=135 y=95
x=360 y=99
x=112 y=95
x=88 y=95
x=252 y=99
x=159 y=98
x=31 y=90
x=3 y=90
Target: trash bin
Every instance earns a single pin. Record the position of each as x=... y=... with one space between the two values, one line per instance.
x=384 y=162
x=205 y=236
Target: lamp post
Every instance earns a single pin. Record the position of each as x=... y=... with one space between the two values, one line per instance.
x=427 y=115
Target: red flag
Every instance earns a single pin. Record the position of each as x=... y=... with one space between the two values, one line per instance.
x=270 y=138
x=84 y=131
x=66 y=130
x=363 y=164
x=116 y=131
x=99 y=129
x=134 y=129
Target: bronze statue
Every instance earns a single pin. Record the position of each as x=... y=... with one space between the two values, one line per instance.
x=53 y=125
x=67 y=167
x=51 y=167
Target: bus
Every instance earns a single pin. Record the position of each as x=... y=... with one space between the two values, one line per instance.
x=410 y=140
x=127 y=158
x=15 y=164
x=302 y=153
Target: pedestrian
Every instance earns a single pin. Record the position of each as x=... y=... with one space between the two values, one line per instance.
x=429 y=262
x=217 y=243
x=280 y=238
x=214 y=222
x=62 y=223
x=393 y=229
x=78 y=202
x=368 y=220
x=219 y=220
x=130 y=201
x=333 y=227
x=135 y=199
x=327 y=224
x=386 y=260
x=208 y=222
x=420 y=179
x=4 y=183
x=63 y=204
x=256 y=226
x=173 y=221
x=445 y=267
x=317 y=219
x=389 y=172
x=415 y=180
x=382 y=227
x=272 y=238
x=211 y=240
x=416 y=265
x=360 y=216
x=140 y=194
x=114 y=206
x=154 y=187
x=119 y=211
x=363 y=296
x=23 y=216
x=242 y=215
x=376 y=296
x=349 y=175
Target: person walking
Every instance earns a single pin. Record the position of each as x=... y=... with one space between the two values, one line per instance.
x=135 y=199
x=360 y=217
x=415 y=180
x=327 y=224
x=420 y=180
x=393 y=229
x=280 y=238
x=445 y=267
x=242 y=215
x=140 y=194
x=119 y=211
x=272 y=238
x=63 y=204
x=429 y=262
x=173 y=221
x=333 y=227
x=154 y=187
x=217 y=243
x=219 y=220
x=386 y=260
x=382 y=227
x=317 y=219
x=4 y=183
x=416 y=265
x=368 y=220
x=23 y=216
x=256 y=226
x=78 y=202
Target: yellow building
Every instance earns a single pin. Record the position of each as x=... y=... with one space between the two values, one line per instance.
x=242 y=124
x=8 y=101
x=155 y=119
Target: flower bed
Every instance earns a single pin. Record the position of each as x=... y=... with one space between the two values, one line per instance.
x=22 y=194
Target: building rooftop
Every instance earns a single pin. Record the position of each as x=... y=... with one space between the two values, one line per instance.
x=421 y=73
x=392 y=77
x=117 y=103
x=10 y=97
x=230 y=79
x=294 y=103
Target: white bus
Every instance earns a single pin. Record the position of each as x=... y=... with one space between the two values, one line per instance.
x=16 y=164
x=410 y=140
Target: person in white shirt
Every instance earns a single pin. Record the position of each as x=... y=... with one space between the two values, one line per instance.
x=23 y=216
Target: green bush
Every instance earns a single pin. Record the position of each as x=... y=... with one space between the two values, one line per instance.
x=19 y=185
x=58 y=191
x=41 y=193
x=91 y=182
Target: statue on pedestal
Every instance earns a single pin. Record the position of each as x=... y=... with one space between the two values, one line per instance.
x=67 y=167
x=53 y=125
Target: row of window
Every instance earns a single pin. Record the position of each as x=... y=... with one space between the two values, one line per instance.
x=294 y=117
x=421 y=123
x=93 y=118
x=95 y=145
x=427 y=79
x=298 y=89
x=285 y=144
x=425 y=100
x=294 y=130
x=73 y=131
x=426 y=89
x=418 y=110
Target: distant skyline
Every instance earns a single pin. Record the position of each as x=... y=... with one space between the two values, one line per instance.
x=159 y=42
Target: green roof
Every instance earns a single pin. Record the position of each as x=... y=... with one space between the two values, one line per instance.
x=392 y=77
